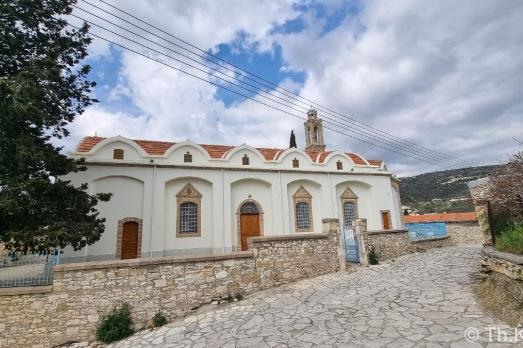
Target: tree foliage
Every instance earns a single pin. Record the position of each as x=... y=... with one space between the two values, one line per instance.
x=506 y=188
x=43 y=87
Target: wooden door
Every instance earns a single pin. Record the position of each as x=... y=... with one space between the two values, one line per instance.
x=250 y=227
x=130 y=240
x=385 y=218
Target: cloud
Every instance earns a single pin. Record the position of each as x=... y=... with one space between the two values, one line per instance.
x=443 y=74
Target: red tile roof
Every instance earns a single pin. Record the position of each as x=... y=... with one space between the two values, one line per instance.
x=356 y=159
x=447 y=217
x=158 y=148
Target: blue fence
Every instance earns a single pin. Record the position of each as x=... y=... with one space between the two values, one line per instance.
x=426 y=230
x=27 y=270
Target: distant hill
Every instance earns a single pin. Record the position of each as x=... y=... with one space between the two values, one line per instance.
x=437 y=192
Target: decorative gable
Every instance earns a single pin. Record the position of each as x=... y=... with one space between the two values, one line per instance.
x=189 y=191
x=348 y=194
x=302 y=193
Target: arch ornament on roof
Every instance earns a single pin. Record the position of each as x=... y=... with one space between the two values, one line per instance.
x=118 y=138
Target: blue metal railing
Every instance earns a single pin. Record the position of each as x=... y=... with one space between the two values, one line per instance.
x=27 y=270
x=426 y=230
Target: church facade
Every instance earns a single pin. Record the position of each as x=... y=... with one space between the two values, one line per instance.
x=187 y=198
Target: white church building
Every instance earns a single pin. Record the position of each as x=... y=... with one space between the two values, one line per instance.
x=186 y=198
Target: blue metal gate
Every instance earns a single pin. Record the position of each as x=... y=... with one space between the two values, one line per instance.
x=351 y=245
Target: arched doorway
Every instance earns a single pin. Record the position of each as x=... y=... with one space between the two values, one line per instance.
x=249 y=222
x=129 y=240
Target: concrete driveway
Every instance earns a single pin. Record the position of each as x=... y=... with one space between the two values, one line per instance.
x=420 y=300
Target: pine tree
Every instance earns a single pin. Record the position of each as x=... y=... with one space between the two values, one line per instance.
x=43 y=87
x=292 y=142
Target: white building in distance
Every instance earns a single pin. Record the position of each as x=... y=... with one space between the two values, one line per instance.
x=186 y=198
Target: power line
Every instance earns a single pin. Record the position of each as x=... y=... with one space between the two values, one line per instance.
x=251 y=98
x=391 y=139
x=247 y=89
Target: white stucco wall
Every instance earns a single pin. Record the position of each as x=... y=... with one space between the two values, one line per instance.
x=146 y=187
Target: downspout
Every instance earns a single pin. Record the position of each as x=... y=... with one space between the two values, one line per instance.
x=332 y=197
x=281 y=203
x=153 y=206
x=223 y=211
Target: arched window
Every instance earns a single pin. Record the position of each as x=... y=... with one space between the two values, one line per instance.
x=187 y=157
x=316 y=134
x=118 y=154
x=349 y=213
x=303 y=210
x=249 y=208
x=188 y=218
x=302 y=216
x=245 y=160
x=188 y=222
x=339 y=165
x=349 y=207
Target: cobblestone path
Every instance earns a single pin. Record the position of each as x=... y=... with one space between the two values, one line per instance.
x=421 y=300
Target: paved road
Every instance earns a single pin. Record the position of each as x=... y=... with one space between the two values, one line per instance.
x=421 y=300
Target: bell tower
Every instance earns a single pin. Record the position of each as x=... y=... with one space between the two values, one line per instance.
x=314 y=132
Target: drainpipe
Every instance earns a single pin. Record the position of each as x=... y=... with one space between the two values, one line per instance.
x=281 y=204
x=330 y=193
x=223 y=211
x=153 y=206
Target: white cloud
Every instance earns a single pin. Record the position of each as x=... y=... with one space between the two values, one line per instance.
x=443 y=74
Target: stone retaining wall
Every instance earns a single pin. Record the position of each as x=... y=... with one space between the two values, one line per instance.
x=389 y=243
x=83 y=292
x=394 y=243
x=465 y=232
x=508 y=264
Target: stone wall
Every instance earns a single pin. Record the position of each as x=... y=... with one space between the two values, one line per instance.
x=389 y=243
x=81 y=293
x=508 y=264
x=393 y=243
x=465 y=232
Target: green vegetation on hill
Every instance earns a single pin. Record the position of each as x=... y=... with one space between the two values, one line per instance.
x=443 y=191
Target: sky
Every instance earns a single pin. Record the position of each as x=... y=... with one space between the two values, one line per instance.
x=447 y=75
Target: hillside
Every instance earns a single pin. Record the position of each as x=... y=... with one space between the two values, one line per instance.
x=441 y=191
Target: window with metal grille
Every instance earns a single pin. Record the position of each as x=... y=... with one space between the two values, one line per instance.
x=249 y=208
x=118 y=154
x=245 y=160
x=188 y=217
x=349 y=213
x=295 y=163
x=339 y=165
x=303 y=221
x=187 y=158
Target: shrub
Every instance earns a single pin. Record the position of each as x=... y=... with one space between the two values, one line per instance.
x=115 y=325
x=511 y=239
x=373 y=256
x=159 y=319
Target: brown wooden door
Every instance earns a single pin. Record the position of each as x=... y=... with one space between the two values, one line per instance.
x=385 y=218
x=250 y=227
x=130 y=240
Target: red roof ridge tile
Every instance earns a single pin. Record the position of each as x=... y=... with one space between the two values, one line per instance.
x=217 y=151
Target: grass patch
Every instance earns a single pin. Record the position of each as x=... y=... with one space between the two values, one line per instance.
x=159 y=319
x=116 y=325
x=511 y=239
x=373 y=256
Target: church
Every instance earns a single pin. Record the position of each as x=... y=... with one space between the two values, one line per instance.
x=187 y=198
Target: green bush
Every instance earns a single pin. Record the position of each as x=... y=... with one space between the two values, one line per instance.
x=373 y=256
x=116 y=325
x=511 y=239
x=159 y=319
